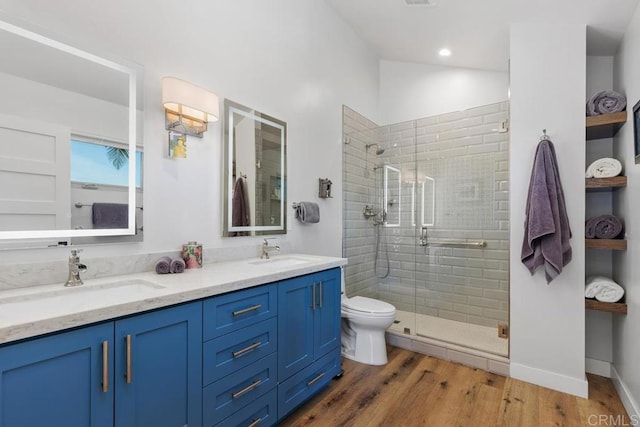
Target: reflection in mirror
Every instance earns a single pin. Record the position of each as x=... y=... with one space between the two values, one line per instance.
x=254 y=172
x=391 y=196
x=67 y=126
x=428 y=201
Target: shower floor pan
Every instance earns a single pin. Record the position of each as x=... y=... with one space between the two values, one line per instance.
x=473 y=345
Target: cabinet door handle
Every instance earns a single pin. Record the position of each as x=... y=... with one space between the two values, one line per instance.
x=255 y=422
x=128 y=375
x=310 y=383
x=246 y=349
x=313 y=297
x=246 y=310
x=247 y=389
x=320 y=303
x=105 y=366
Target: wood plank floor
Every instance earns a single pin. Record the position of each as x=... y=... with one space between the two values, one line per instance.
x=418 y=390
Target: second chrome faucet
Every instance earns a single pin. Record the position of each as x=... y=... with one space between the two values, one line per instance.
x=266 y=248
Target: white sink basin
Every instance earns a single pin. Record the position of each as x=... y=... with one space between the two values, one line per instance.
x=83 y=296
x=282 y=261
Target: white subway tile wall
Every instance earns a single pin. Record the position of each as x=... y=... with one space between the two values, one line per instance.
x=458 y=164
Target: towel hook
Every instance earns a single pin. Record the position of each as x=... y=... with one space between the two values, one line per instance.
x=544 y=135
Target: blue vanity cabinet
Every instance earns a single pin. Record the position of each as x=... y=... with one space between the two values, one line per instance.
x=59 y=380
x=239 y=369
x=308 y=336
x=309 y=320
x=159 y=368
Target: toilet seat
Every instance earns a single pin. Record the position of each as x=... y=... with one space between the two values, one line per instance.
x=370 y=306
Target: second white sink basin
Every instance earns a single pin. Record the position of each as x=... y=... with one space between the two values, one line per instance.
x=282 y=261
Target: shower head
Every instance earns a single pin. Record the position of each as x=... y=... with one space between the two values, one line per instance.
x=378 y=151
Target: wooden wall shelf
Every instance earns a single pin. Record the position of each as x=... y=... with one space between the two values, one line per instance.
x=601 y=183
x=605 y=125
x=611 y=307
x=611 y=244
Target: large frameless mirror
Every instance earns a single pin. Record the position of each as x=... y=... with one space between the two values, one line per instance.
x=255 y=172
x=68 y=126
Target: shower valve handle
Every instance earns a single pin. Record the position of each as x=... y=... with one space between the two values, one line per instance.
x=423 y=236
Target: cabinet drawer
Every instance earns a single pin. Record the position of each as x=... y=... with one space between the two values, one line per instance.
x=262 y=412
x=230 y=312
x=232 y=352
x=307 y=382
x=230 y=394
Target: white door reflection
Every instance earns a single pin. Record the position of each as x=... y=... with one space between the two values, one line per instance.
x=391 y=197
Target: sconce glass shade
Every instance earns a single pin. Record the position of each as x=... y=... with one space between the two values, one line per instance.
x=188 y=107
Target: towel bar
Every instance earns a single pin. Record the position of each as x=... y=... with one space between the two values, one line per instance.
x=81 y=205
x=455 y=244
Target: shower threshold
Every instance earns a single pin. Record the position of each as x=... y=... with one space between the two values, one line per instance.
x=469 y=344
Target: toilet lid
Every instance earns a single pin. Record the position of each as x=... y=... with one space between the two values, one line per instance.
x=367 y=305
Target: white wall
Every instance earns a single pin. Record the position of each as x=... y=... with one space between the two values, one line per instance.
x=410 y=91
x=626 y=329
x=292 y=59
x=548 y=321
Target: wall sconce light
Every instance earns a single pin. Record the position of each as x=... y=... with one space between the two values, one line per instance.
x=188 y=108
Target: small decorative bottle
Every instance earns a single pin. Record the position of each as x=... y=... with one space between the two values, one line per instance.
x=192 y=254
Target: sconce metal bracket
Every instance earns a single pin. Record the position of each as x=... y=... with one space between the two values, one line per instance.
x=184 y=124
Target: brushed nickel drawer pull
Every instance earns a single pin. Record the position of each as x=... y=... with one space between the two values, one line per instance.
x=313 y=297
x=247 y=389
x=105 y=366
x=310 y=383
x=246 y=310
x=246 y=349
x=321 y=294
x=128 y=375
x=255 y=422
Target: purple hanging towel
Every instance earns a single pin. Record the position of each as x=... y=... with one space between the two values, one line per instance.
x=546 y=228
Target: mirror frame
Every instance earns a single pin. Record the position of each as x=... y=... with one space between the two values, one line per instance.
x=132 y=75
x=230 y=108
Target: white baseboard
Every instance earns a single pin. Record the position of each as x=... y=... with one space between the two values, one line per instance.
x=627 y=399
x=575 y=386
x=598 y=367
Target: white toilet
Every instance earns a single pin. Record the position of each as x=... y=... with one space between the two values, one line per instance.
x=364 y=322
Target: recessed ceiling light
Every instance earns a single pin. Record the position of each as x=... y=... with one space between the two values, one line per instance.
x=420 y=2
x=444 y=52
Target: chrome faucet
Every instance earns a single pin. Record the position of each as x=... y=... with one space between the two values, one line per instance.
x=75 y=268
x=266 y=248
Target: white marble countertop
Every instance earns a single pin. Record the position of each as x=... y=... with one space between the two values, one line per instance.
x=37 y=310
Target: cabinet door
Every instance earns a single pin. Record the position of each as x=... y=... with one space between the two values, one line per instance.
x=295 y=325
x=159 y=368
x=327 y=312
x=58 y=380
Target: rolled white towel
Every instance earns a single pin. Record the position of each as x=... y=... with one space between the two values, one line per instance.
x=604 y=168
x=603 y=289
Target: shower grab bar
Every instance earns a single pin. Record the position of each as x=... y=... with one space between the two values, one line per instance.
x=457 y=244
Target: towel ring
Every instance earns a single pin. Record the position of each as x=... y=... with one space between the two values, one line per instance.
x=544 y=135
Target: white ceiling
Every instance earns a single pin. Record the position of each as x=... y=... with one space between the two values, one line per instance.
x=477 y=32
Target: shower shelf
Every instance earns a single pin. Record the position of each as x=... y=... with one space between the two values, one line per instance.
x=611 y=307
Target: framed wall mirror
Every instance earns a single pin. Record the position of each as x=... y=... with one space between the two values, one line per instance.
x=68 y=126
x=255 y=172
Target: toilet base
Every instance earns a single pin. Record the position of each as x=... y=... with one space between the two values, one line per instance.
x=370 y=349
